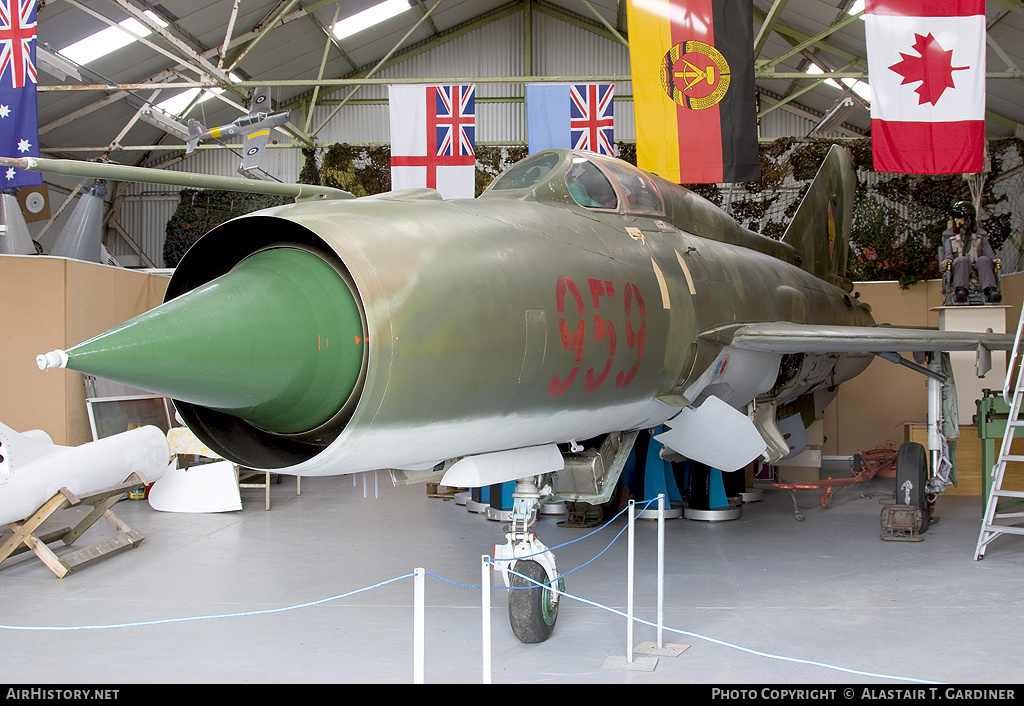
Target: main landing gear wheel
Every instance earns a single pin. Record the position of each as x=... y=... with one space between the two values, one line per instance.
x=911 y=477
x=532 y=609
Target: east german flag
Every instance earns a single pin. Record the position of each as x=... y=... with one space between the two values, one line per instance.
x=693 y=89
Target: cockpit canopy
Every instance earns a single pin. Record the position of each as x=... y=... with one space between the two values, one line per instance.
x=592 y=181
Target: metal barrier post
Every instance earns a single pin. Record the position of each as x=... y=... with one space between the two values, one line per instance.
x=485 y=601
x=661 y=566
x=629 y=587
x=417 y=641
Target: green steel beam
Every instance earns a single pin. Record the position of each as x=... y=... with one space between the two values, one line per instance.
x=815 y=40
x=415 y=50
x=341 y=82
x=615 y=33
x=799 y=37
x=376 y=68
x=580 y=22
x=793 y=96
x=767 y=25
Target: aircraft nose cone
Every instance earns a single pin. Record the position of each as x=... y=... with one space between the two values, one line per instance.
x=276 y=341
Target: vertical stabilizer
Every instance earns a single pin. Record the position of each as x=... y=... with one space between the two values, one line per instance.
x=260 y=101
x=82 y=236
x=194 y=131
x=14 y=236
x=820 y=230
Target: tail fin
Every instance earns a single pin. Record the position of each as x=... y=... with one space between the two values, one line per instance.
x=260 y=101
x=23 y=447
x=194 y=131
x=820 y=230
x=33 y=469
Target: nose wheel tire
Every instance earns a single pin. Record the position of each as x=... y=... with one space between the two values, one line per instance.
x=532 y=609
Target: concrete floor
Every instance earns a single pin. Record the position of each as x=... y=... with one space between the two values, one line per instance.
x=763 y=599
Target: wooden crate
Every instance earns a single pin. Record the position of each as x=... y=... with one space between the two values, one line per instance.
x=967 y=459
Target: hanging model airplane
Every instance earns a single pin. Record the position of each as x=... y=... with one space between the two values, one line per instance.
x=526 y=335
x=254 y=128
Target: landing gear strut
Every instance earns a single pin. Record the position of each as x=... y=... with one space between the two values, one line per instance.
x=532 y=608
x=916 y=487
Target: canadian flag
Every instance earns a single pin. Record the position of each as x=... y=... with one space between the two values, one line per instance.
x=926 y=66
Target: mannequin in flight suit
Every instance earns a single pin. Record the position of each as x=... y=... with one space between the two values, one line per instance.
x=965 y=247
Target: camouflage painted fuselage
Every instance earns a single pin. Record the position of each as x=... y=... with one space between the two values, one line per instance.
x=522 y=318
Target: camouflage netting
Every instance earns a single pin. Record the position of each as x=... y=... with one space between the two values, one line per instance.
x=200 y=210
x=362 y=170
x=898 y=218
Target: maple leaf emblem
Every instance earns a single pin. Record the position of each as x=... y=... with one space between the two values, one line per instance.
x=933 y=67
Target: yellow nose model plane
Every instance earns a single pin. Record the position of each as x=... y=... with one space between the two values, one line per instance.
x=254 y=128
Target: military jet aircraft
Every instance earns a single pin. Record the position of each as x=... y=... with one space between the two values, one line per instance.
x=255 y=128
x=526 y=335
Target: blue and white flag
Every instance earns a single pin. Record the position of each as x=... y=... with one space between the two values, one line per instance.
x=19 y=125
x=574 y=115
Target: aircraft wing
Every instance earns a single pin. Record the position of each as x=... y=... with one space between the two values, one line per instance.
x=784 y=337
x=254 y=144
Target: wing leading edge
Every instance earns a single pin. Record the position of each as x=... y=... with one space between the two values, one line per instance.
x=785 y=337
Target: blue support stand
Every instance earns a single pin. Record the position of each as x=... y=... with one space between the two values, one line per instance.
x=716 y=490
x=653 y=476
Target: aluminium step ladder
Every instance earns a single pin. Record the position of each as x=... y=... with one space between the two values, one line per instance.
x=993 y=524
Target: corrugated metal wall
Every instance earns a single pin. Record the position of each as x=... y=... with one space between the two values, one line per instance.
x=782 y=123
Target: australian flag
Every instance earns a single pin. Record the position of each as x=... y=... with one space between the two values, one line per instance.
x=573 y=115
x=19 y=128
x=455 y=120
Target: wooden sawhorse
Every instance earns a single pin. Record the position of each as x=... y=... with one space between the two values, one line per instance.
x=24 y=537
x=245 y=478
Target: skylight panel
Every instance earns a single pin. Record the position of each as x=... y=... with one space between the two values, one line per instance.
x=369 y=17
x=859 y=87
x=177 y=104
x=108 y=40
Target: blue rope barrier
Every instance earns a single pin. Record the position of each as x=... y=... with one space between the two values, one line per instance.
x=490 y=561
x=206 y=617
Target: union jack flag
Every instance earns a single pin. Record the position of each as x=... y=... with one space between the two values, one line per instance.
x=17 y=37
x=592 y=126
x=455 y=120
x=432 y=131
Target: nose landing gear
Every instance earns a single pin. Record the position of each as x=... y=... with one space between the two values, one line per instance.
x=535 y=587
